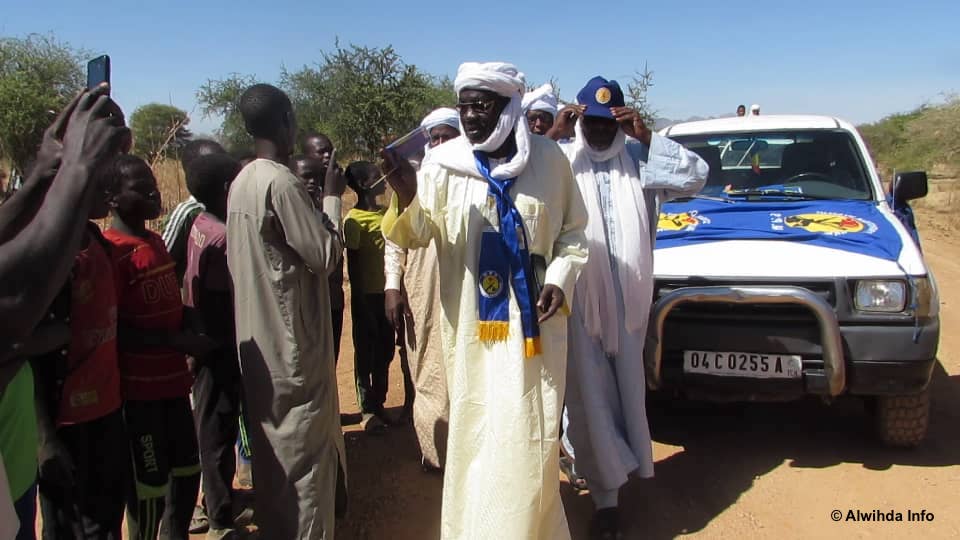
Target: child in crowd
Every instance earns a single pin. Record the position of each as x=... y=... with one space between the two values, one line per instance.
x=176 y=225
x=208 y=297
x=312 y=169
x=373 y=337
x=155 y=379
x=84 y=454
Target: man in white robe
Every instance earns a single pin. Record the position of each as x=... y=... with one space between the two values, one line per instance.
x=540 y=108
x=505 y=382
x=623 y=183
x=412 y=299
x=280 y=251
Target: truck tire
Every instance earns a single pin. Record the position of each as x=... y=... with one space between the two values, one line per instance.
x=901 y=421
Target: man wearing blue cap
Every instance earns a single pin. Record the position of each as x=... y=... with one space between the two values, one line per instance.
x=624 y=172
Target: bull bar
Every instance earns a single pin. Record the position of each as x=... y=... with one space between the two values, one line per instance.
x=830 y=338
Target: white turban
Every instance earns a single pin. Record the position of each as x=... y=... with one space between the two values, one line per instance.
x=505 y=80
x=540 y=99
x=444 y=116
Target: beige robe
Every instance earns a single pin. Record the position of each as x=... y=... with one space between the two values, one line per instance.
x=417 y=271
x=502 y=476
x=280 y=254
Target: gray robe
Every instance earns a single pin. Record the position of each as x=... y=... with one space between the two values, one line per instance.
x=280 y=251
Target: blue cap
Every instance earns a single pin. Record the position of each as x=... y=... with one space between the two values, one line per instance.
x=599 y=95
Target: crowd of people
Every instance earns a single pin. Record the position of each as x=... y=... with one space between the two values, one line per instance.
x=511 y=267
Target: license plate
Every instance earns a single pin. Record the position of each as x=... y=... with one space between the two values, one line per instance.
x=743 y=364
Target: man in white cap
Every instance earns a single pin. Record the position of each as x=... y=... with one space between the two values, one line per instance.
x=755 y=110
x=413 y=307
x=441 y=125
x=484 y=199
x=623 y=183
x=540 y=107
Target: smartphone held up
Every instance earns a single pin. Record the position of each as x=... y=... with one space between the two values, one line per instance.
x=98 y=71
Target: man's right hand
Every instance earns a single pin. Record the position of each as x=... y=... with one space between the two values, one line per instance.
x=334 y=181
x=95 y=130
x=56 y=465
x=563 y=127
x=398 y=313
x=401 y=177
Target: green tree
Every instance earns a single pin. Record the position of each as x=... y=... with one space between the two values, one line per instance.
x=38 y=76
x=636 y=95
x=158 y=130
x=360 y=96
x=222 y=98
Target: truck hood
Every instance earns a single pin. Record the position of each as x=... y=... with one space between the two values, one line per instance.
x=705 y=255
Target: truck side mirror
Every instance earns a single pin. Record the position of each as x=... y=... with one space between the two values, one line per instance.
x=910 y=185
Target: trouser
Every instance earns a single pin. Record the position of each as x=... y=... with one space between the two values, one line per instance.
x=216 y=398
x=373 y=339
x=26 y=509
x=94 y=507
x=336 y=318
x=166 y=468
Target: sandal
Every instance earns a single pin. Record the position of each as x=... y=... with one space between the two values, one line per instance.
x=199 y=523
x=577 y=482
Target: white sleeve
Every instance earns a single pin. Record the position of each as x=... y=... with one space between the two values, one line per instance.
x=394 y=264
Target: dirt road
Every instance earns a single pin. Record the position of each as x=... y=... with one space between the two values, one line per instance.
x=723 y=471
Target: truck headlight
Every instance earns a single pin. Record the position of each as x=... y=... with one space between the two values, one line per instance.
x=884 y=296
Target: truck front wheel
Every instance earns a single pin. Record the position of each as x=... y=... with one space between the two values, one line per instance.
x=901 y=421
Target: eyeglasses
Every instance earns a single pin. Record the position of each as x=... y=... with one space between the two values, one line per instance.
x=483 y=106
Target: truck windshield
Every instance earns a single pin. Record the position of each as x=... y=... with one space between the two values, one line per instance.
x=822 y=164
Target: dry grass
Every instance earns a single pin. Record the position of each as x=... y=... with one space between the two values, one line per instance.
x=172 y=183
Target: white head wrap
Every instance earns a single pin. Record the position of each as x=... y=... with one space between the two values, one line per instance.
x=540 y=99
x=444 y=116
x=506 y=80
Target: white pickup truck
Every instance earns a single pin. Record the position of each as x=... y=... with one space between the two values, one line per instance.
x=794 y=273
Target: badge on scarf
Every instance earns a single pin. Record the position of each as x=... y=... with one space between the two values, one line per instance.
x=504 y=256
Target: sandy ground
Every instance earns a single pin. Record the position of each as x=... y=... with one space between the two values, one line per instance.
x=723 y=471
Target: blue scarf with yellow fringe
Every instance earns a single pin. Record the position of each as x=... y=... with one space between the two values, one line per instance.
x=504 y=255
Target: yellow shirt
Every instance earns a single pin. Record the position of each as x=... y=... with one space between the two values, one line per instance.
x=364 y=242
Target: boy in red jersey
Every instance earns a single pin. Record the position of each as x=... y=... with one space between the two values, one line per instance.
x=82 y=441
x=154 y=376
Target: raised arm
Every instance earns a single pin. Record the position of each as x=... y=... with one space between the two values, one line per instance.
x=36 y=259
x=416 y=204
x=314 y=235
x=672 y=170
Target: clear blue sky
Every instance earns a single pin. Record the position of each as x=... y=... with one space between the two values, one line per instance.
x=859 y=60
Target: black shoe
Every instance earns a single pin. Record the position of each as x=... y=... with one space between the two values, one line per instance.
x=605 y=525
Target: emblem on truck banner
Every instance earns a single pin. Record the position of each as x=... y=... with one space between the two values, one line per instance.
x=684 y=221
x=830 y=223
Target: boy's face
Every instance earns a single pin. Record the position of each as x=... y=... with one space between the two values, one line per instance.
x=311 y=171
x=368 y=185
x=138 y=197
x=320 y=147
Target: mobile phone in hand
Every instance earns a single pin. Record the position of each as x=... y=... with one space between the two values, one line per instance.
x=98 y=71
x=410 y=146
